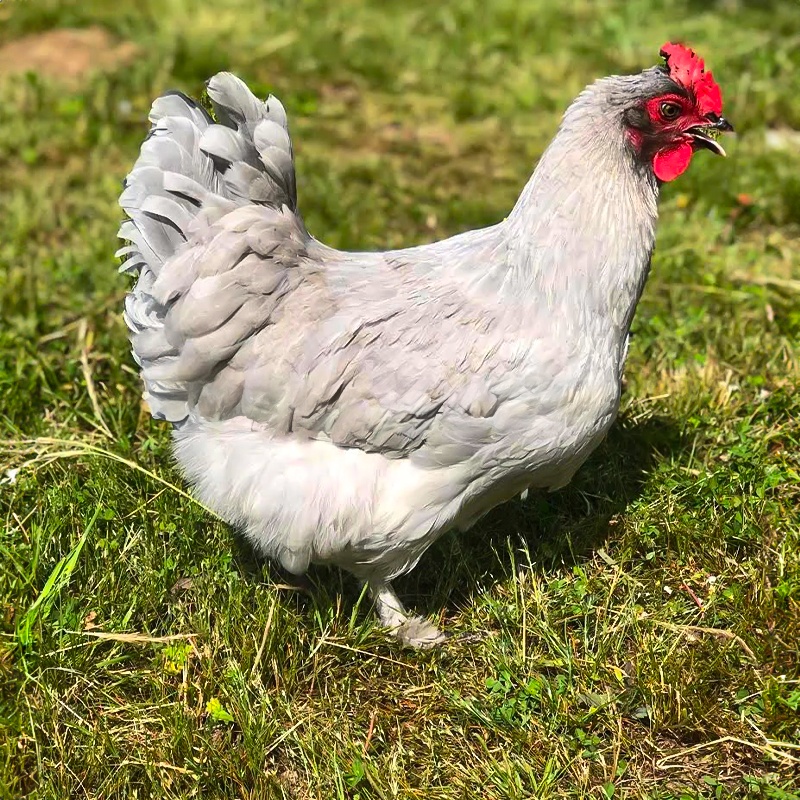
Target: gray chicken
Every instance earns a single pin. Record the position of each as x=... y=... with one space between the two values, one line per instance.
x=349 y=408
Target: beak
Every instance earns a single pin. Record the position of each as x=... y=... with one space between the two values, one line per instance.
x=705 y=135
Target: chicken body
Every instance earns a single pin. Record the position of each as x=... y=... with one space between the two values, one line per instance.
x=349 y=408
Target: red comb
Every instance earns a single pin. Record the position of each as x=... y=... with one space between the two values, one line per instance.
x=689 y=70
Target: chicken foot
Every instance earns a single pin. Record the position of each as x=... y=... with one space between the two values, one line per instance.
x=410 y=631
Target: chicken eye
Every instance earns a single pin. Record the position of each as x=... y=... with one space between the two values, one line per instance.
x=670 y=110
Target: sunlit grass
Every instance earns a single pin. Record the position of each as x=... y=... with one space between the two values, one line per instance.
x=639 y=629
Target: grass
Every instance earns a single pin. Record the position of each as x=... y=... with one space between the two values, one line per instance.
x=644 y=622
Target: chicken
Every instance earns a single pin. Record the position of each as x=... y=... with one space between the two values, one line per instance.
x=350 y=408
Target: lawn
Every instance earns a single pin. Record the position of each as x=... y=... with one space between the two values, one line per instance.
x=639 y=629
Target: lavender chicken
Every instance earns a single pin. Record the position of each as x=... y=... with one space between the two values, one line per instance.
x=350 y=408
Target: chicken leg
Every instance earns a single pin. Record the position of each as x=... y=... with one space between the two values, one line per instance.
x=410 y=631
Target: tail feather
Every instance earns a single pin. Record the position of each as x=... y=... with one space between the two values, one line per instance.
x=263 y=126
x=190 y=172
x=176 y=104
x=237 y=107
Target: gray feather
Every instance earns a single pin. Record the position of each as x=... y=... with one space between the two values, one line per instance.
x=191 y=173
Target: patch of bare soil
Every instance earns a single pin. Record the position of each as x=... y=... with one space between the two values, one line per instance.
x=69 y=55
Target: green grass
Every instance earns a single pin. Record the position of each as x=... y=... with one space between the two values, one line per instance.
x=644 y=622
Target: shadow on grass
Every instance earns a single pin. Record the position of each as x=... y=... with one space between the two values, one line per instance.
x=558 y=528
x=563 y=527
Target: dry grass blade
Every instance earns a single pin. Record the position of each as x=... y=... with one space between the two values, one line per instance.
x=359 y=651
x=47 y=450
x=267 y=627
x=721 y=633
x=159 y=765
x=85 y=339
x=770 y=748
x=768 y=280
x=134 y=638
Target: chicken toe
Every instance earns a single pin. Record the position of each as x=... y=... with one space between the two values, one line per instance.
x=420 y=633
x=410 y=631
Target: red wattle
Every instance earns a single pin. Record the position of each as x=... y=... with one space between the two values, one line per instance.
x=668 y=164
